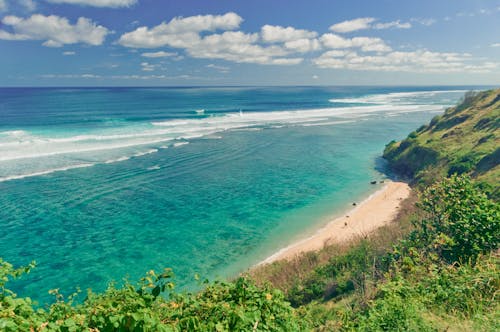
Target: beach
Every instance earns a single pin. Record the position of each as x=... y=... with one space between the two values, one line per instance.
x=377 y=210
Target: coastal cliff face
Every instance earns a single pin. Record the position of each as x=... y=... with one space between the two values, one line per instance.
x=465 y=139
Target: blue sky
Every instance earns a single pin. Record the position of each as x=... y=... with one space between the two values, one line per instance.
x=240 y=42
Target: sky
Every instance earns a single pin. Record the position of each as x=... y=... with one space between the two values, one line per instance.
x=243 y=42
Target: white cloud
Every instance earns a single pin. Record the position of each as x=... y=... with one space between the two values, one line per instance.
x=352 y=25
x=160 y=54
x=394 y=24
x=147 y=66
x=179 y=32
x=69 y=53
x=365 y=23
x=417 y=61
x=239 y=47
x=54 y=30
x=98 y=3
x=495 y=45
x=222 y=69
x=424 y=21
x=303 y=45
x=366 y=44
x=236 y=46
x=315 y=77
x=276 y=33
x=295 y=40
x=331 y=40
x=87 y=76
x=285 y=61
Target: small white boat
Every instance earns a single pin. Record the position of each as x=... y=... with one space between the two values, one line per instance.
x=202 y=111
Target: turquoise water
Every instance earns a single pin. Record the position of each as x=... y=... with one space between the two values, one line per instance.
x=99 y=184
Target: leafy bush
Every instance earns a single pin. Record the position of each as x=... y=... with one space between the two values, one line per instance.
x=462 y=222
x=152 y=306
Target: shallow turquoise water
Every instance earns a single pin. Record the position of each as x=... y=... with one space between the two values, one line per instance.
x=98 y=184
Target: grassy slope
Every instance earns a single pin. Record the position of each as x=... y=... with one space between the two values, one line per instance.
x=465 y=139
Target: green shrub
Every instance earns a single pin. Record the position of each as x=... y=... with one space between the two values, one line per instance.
x=152 y=305
x=462 y=222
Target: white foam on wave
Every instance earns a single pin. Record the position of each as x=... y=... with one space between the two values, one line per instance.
x=140 y=154
x=395 y=97
x=117 y=160
x=47 y=150
x=327 y=123
x=49 y=171
x=119 y=144
x=153 y=168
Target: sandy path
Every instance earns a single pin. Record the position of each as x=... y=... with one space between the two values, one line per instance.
x=377 y=210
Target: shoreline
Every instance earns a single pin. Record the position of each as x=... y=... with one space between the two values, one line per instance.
x=377 y=210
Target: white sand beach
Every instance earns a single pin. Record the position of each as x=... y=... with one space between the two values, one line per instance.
x=377 y=210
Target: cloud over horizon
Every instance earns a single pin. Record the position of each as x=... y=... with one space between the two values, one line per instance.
x=54 y=30
x=220 y=37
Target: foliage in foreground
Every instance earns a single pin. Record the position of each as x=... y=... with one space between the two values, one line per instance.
x=153 y=306
x=444 y=275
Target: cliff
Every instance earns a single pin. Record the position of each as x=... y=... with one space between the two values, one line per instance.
x=465 y=139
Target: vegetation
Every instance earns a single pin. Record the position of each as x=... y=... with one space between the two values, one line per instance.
x=464 y=140
x=441 y=275
x=152 y=306
x=436 y=269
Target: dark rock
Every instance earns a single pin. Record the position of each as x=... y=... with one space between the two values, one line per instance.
x=373 y=182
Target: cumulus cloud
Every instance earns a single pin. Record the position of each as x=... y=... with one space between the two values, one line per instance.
x=416 y=61
x=366 y=44
x=352 y=25
x=239 y=47
x=69 y=53
x=303 y=45
x=236 y=46
x=295 y=40
x=495 y=45
x=179 y=32
x=98 y=3
x=200 y=37
x=276 y=33
x=160 y=54
x=54 y=30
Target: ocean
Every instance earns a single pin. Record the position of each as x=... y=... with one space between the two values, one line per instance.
x=101 y=184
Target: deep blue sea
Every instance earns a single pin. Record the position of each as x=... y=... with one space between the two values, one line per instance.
x=97 y=184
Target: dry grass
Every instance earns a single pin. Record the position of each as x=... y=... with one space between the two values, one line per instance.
x=283 y=274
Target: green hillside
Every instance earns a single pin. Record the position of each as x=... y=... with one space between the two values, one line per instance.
x=465 y=139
